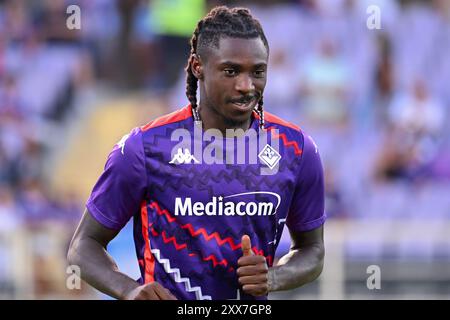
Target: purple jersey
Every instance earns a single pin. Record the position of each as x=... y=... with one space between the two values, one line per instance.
x=190 y=216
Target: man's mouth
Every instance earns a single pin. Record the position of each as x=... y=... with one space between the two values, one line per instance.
x=245 y=105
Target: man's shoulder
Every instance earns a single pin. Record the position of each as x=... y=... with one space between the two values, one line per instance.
x=129 y=148
x=168 y=119
x=286 y=130
x=275 y=121
x=290 y=134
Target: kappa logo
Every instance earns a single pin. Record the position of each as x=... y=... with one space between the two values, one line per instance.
x=183 y=157
x=269 y=156
x=121 y=143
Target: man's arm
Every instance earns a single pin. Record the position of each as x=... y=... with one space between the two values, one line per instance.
x=88 y=251
x=303 y=263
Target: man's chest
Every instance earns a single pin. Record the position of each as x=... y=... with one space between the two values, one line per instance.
x=187 y=186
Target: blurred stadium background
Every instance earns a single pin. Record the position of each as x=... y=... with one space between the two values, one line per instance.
x=376 y=101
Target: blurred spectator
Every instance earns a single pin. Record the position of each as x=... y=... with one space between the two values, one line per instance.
x=15 y=20
x=325 y=77
x=51 y=21
x=12 y=146
x=33 y=200
x=9 y=223
x=416 y=123
x=174 y=22
x=10 y=100
x=418 y=112
x=281 y=95
x=9 y=215
x=384 y=80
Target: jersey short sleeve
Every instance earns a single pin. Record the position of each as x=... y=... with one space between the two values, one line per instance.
x=119 y=191
x=307 y=207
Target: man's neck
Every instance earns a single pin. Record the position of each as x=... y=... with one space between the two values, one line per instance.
x=213 y=120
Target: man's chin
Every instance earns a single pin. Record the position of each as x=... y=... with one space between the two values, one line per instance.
x=236 y=120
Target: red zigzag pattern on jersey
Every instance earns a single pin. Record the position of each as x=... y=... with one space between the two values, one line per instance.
x=174 y=241
x=188 y=226
x=179 y=247
x=286 y=142
x=208 y=237
x=214 y=235
x=214 y=260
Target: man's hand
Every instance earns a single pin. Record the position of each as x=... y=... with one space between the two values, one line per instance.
x=150 y=291
x=252 y=271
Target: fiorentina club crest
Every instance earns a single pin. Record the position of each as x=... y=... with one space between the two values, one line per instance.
x=269 y=156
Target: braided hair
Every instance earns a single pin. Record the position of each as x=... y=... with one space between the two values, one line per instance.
x=221 y=21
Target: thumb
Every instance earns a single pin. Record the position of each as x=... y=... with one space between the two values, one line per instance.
x=246 y=246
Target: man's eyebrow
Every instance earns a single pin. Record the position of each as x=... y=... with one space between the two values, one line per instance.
x=235 y=64
x=261 y=65
x=229 y=64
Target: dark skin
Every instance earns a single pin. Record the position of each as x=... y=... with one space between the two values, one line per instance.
x=302 y=264
x=88 y=251
x=231 y=80
x=236 y=72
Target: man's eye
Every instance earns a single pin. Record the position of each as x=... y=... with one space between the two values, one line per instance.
x=259 y=73
x=230 y=72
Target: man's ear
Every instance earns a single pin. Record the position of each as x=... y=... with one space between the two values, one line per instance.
x=197 y=66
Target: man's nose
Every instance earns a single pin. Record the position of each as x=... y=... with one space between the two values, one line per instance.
x=244 y=84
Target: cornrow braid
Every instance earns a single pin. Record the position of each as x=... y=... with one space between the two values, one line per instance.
x=221 y=22
x=191 y=80
x=260 y=111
